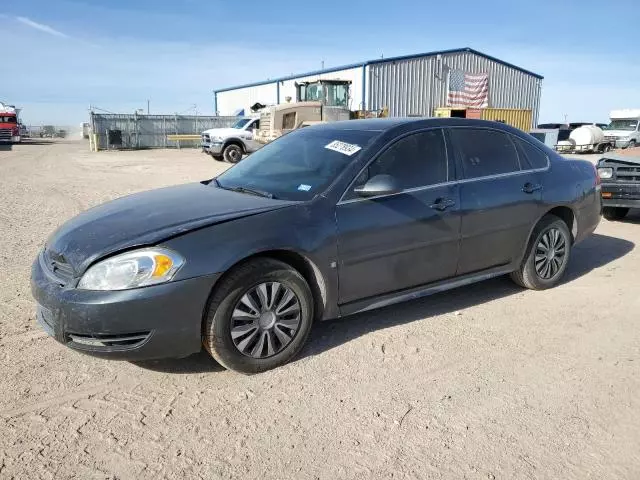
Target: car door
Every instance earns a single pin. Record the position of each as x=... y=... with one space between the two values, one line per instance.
x=499 y=200
x=251 y=145
x=394 y=242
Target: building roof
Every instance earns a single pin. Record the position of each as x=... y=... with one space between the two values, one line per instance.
x=377 y=61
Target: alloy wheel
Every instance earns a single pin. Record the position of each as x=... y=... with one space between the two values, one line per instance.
x=551 y=253
x=265 y=320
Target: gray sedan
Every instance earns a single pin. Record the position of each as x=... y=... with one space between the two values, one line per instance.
x=324 y=222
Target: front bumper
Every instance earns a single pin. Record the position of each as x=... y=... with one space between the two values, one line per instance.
x=618 y=142
x=213 y=148
x=626 y=195
x=161 y=321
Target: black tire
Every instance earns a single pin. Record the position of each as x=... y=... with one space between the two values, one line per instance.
x=219 y=158
x=232 y=153
x=217 y=337
x=632 y=144
x=527 y=275
x=614 y=213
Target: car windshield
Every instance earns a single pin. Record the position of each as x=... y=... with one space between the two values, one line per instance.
x=241 y=123
x=629 y=125
x=7 y=119
x=298 y=165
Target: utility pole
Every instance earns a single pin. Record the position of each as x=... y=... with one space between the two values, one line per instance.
x=148 y=107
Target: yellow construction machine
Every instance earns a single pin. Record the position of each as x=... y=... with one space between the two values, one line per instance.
x=320 y=101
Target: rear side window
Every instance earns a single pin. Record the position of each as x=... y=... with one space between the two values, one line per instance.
x=530 y=157
x=484 y=152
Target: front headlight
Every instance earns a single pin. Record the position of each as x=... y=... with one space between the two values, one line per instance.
x=605 y=173
x=216 y=139
x=139 y=268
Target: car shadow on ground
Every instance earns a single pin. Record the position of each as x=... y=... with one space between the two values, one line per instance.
x=5 y=147
x=632 y=217
x=596 y=251
x=197 y=363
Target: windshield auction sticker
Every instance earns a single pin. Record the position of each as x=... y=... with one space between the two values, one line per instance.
x=343 y=147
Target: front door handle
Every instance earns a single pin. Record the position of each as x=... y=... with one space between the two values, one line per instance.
x=442 y=204
x=531 y=187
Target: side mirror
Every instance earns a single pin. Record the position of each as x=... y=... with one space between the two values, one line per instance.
x=378 y=185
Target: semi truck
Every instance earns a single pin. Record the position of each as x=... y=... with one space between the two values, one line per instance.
x=9 y=124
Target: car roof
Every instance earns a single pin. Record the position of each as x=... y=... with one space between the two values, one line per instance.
x=385 y=124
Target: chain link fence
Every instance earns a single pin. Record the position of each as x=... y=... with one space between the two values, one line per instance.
x=133 y=131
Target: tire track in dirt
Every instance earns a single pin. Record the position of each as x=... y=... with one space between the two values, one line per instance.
x=55 y=399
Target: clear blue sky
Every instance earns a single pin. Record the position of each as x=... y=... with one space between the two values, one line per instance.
x=60 y=56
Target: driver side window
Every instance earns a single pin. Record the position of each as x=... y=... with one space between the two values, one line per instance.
x=418 y=160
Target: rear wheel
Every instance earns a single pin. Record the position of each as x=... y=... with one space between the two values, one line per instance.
x=547 y=255
x=232 y=153
x=614 y=213
x=259 y=317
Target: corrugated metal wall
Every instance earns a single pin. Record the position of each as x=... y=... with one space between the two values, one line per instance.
x=230 y=101
x=418 y=86
x=521 y=119
x=150 y=131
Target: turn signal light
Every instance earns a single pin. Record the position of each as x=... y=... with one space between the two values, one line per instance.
x=606 y=195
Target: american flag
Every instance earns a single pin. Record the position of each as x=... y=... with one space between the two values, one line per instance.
x=468 y=90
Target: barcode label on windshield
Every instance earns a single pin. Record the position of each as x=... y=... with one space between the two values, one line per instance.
x=343 y=147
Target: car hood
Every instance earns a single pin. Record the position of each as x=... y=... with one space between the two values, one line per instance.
x=616 y=157
x=617 y=133
x=148 y=218
x=224 y=132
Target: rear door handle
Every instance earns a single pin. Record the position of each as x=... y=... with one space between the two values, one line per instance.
x=442 y=204
x=531 y=187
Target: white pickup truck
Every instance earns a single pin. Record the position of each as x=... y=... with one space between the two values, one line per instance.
x=231 y=144
x=624 y=128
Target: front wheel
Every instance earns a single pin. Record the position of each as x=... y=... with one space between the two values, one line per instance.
x=614 y=213
x=632 y=144
x=259 y=317
x=232 y=153
x=547 y=255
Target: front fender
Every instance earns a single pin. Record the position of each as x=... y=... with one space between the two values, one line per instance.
x=216 y=249
x=238 y=140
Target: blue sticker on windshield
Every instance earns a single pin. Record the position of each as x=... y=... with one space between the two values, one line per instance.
x=304 y=188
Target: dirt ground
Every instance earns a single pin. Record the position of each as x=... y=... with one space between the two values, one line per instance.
x=484 y=382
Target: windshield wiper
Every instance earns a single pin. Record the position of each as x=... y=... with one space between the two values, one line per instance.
x=250 y=191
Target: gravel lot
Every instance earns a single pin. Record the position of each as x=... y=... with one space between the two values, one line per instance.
x=484 y=382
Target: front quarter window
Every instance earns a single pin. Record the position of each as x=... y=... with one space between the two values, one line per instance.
x=298 y=165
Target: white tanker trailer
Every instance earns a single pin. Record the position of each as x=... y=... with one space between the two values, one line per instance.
x=586 y=139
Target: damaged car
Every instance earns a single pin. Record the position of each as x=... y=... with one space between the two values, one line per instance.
x=324 y=222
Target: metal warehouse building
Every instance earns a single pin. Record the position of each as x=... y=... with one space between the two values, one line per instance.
x=413 y=85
